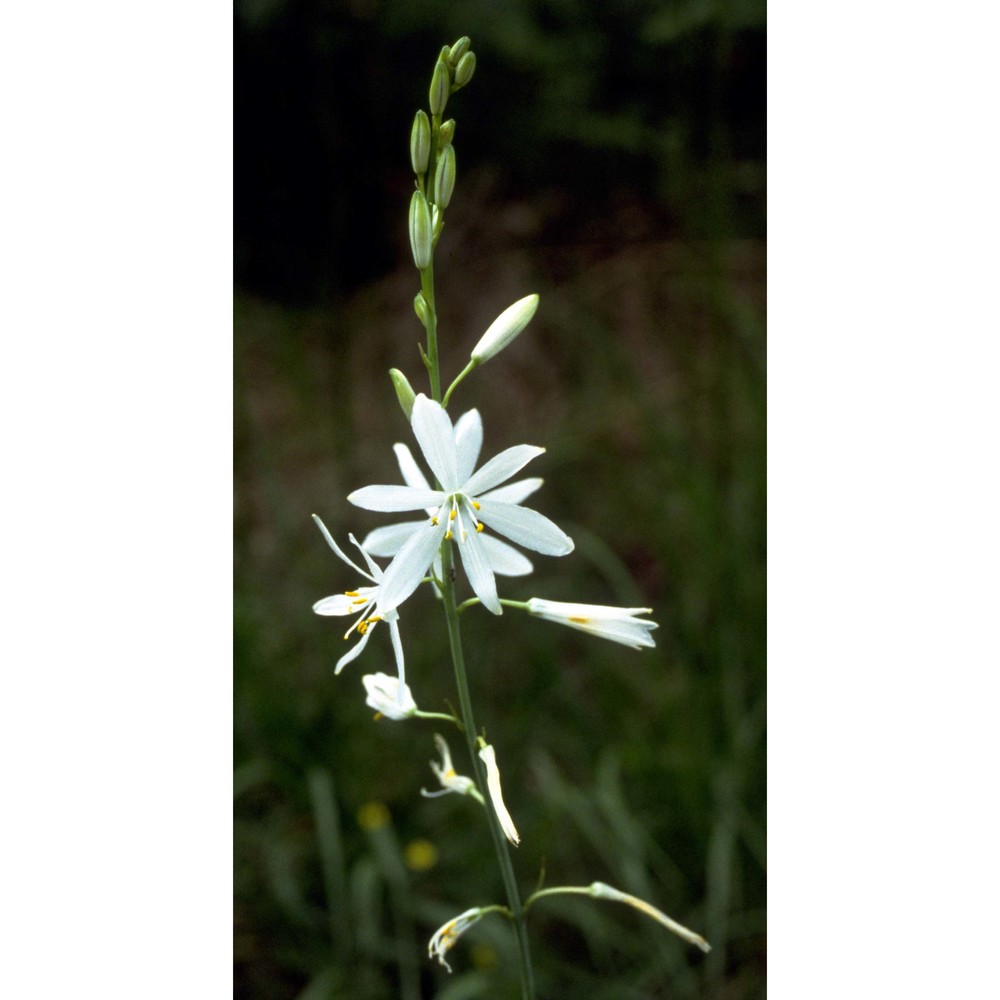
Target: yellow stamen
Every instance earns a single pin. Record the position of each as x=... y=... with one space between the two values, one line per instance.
x=474 y=504
x=447 y=536
x=350 y=593
x=450 y=773
x=451 y=516
x=377 y=716
x=479 y=526
x=434 y=521
x=579 y=621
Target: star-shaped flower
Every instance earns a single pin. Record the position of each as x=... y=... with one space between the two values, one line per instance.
x=466 y=503
x=365 y=602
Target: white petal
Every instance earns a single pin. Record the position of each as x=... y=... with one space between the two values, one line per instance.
x=526 y=527
x=355 y=651
x=392 y=499
x=337 y=604
x=336 y=548
x=373 y=567
x=488 y=756
x=412 y=475
x=504 y=558
x=501 y=468
x=405 y=572
x=477 y=569
x=389 y=540
x=397 y=648
x=514 y=492
x=468 y=442
x=434 y=433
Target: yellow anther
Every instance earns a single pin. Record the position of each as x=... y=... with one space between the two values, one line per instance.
x=474 y=504
x=479 y=527
x=377 y=716
x=360 y=600
x=362 y=628
x=434 y=521
x=451 y=516
x=450 y=773
x=579 y=621
x=350 y=593
x=447 y=536
x=375 y=618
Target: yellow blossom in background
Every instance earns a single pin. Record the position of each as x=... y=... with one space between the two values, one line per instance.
x=373 y=816
x=420 y=855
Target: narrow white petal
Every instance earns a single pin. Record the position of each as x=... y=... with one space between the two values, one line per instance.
x=489 y=758
x=412 y=475
x=355 y=652
x=374 y=568
x=337 y=604
x=468 y=442
x=392 y=499
x=436 y=437
x=405 y=572
x=336 y=548
x=514 y=492
x=397 y=648
x=389 y=540
x=478 y=570
x=526 y=527
x=500 y=468
x=504 y=558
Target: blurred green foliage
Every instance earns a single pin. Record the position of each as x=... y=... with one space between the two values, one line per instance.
x=609 y=160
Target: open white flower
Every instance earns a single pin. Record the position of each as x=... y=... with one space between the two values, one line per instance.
x=389 y=696
x=466 y=502
x=450 y=781
x=489 y=757
x=444 y=937
x=364 y=602
x=616 y=624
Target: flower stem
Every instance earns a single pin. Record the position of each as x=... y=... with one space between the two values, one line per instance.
x=499 y=841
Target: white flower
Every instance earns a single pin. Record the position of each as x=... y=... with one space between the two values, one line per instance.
x=450 y=781
x=364 y=602
x=466 y=502
x=445 y=937
x=389 y=696
x=616 y=624
x=601 y=891
x=488 y=756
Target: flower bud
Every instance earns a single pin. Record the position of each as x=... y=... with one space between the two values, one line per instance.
x=420 y=143
x=420 y=308
x=440 y=87
x=404 y=391
x=437 y=223
x=459 y=49
x=420 y=231
x=444 y=177
x=505 y=328
x=445 y=133
x=465 y=68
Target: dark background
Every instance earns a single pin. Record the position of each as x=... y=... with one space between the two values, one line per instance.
x=611 y=157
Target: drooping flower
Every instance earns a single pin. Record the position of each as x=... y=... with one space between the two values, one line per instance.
x=504 y=559
x=488 y=756
x=444 y=938
x=365 y=602
x=601 y=891
x=445 y=772
x=616 y=624
x=389 y=696
x=465 y=504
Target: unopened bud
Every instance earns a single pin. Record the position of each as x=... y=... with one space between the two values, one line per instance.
x=404 y=392
x=446 y=133
x=465 y=68
x=440 y=87
x=420 y=231
x=505 y=328
x=437 y=222
x=420 y=308
x=420 y=142
x=444 y=177
x=459 y=49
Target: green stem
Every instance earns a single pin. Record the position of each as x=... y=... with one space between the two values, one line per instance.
x=499 y=840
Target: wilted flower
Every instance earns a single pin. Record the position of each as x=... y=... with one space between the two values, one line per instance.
x=601 y=891
x=461 y=507
x=389 y=696
x=362 y=602
x=488 y=756
x=450 y=781
x=616 y=624
x=445 y=937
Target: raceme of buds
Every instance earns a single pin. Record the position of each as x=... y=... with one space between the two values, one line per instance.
x=440 y=87
x=444 y=177
x=446 y=133
x=504 y=329
x=421 y=240
x=465 y=68
x=458 y=50
x=404 y=391
x=420 y=142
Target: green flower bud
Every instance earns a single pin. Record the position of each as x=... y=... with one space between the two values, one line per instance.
x=440 y=87
x=458 y=50
x=437 y=222
x=446 y=133
x=465 y=68
x=420 y=230
x=420 y=308
x=404 y=392
x=444 y=177
x=420 y=143
x=504 y=329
